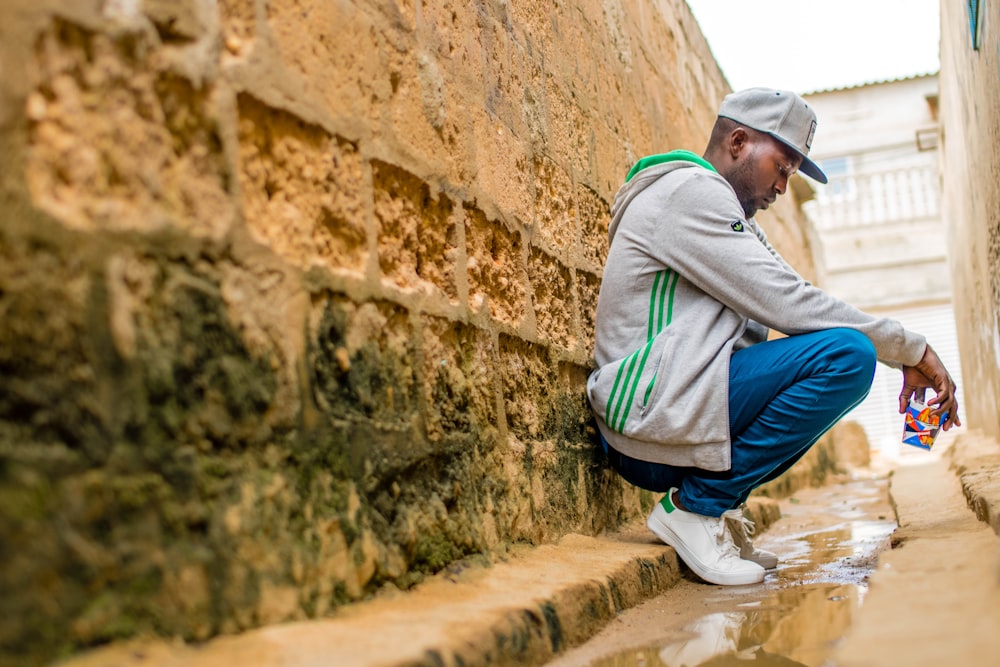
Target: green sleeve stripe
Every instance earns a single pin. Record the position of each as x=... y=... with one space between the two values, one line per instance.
x=614 y=390
x=628 y=377
x=653 y=304
x=670 y=302
x=635 y=383
x=663 y=294
x=649 y=390
x=661 y=311
x=671 y=278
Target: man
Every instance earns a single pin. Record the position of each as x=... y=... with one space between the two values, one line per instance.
x=690 y=397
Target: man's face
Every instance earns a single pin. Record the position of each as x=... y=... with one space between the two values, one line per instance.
x=762 y=172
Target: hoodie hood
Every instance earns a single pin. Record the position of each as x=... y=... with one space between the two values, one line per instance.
x=647 y=171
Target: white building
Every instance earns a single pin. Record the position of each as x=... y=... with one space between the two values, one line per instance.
x=881 y=237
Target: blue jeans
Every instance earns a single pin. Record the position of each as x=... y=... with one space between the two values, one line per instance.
x=783 y=395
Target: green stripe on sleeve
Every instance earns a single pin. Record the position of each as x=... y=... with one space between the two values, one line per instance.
x=670 y=302
x=635 y=383
x=663 y=293
x=649 y=390
x=628 y=378
x=661 y=311
x=611 y=398
x=652 y=304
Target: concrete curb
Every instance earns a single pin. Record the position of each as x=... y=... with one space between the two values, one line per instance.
x=520 y=612
x=976 y=459
x=523 y=611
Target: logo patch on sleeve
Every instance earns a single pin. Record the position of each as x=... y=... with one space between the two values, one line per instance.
x=737 y=226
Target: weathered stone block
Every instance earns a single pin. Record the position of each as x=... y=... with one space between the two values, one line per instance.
x=334 y=50
x=508 y=181
x=588 y=287
x=595 y=217
x=106 y=508
x=49 y=397
x=610 y=163
x=495 y=266
x=426 y=115
x=304 y=191
x=451 y=32
x=268 y=306
x=116 y=144
x=552 y=296
x=570 y=133
x=459 y=384
x=504 y=74
x=416 y=231
x=175 y=21
x=555 y=208
x=527 y=374
x=362 y=362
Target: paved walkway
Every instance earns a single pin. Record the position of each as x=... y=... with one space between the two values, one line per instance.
x=934 y=598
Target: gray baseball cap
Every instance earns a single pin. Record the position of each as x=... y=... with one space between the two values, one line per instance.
x=781 y=114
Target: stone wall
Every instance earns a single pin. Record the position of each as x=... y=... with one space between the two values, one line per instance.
x=970 y=173
x=297 y=295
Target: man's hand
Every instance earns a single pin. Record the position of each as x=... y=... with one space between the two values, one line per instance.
x=930 y=372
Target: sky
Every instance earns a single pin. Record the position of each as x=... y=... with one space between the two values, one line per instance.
x=804 y=45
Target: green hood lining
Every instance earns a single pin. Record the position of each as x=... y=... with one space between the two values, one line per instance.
x=672 y=156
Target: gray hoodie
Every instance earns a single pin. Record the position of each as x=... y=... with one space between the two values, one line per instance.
x=688 y=279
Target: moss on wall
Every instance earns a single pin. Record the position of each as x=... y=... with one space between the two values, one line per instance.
x=297 y=297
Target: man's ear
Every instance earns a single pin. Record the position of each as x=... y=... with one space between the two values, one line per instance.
x=738 y=140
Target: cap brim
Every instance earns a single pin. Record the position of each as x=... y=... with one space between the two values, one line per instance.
x=808 y=167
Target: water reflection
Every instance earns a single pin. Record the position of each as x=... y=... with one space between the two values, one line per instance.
x=798 y=625
x=843 y=554
x=827 y=547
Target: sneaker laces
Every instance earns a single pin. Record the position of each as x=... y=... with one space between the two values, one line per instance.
x=737 y=516
x=724 y=539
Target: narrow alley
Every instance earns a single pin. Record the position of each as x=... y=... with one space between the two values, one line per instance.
x=300 y=326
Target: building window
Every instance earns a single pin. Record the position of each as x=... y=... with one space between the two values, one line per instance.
x=973 y=7
x=838 y=170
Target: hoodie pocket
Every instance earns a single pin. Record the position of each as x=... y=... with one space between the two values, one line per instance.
x=656 y=383
x=621 y=391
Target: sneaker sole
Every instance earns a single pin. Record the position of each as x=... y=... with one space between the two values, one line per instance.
x=708 y=574
x=766 y=562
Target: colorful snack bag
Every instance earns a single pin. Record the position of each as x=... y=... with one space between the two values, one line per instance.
x=920 y=427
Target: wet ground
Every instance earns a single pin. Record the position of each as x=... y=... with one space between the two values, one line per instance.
x=827 y=540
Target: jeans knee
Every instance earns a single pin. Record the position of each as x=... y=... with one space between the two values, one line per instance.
x=858 y=355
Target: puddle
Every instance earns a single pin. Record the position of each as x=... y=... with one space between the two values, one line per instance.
x=827 y=543
x=796 y=626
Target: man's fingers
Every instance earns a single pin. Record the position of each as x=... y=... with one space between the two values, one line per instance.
x=946 y=402
x=953 y=419
x=904 y=397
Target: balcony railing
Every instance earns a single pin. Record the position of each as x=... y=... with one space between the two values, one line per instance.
x=876 y=198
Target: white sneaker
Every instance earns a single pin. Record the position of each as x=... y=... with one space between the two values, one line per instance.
x=742 y=530
x=704 y=544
